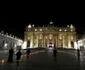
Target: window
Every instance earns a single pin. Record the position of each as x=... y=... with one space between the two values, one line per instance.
x=71 y=37
x=65 y=29
x=35 y=29
x=60 y=30
x=28 y=38
x=40 y=29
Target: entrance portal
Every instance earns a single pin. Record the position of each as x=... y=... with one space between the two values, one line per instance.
x=50 y=45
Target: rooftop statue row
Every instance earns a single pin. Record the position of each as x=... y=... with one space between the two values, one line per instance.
x=6 y=35
x=50 y=28
x=51 y=25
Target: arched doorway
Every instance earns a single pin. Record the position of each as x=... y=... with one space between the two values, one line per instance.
x=50 y=44
x=72 y=44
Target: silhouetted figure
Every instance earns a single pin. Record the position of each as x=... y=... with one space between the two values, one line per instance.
x=78 y=53
x=54 y=53
x=28 y=52
x=78 y=64
x=10 y=57
x=18 y=54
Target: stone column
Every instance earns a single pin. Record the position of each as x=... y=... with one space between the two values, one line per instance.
x=31 y=41
x=63 y=42
x=69 y=41
x=44 y=42
x=56 y=40
x=47 y=41
x=37 y=40
x=75 y=42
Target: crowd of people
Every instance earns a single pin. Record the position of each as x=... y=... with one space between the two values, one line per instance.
x=18 y=55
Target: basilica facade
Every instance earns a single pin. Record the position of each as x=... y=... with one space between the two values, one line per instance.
x=50 y=36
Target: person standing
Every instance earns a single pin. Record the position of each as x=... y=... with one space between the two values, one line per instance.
x=28 y=52
x=10 y=57
x=78 y=53
x=18 y=56
x=54 y=53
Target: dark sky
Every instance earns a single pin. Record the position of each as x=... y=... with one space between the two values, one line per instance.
x=62 y=16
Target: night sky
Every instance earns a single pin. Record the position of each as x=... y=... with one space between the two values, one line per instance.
x=17 y=26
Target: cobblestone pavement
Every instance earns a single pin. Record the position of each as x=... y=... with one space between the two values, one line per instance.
x=43 y=60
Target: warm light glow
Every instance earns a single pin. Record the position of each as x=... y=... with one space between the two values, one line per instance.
x=51 y=22
x=50 y=44
x=40 y=36
x=69 y=45
x=24 y=45
x=29 y=26
x=60 y=36
x=76 y=45
x=65 y=47
x=40 y=29
x=50 y=36
x=67 y=25
x=71 y=26
x=35 y=29
x=46 y=37
x=60 y=30
x=80 y=43
x=15 y=47
x=3 y=61
x=65 y=29
x=5 y=45
x=33 y=25
x=28 y=38
x=71 y=37
x=19 y=43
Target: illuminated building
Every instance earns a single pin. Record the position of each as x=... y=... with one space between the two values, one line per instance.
x=8 y=41
x=81 y=42
x=48 y=36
